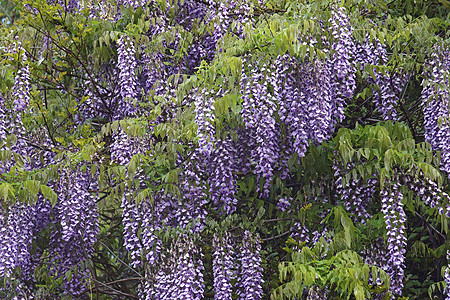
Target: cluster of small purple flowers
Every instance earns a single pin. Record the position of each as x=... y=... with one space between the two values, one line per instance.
x=395 y=218
x=435 y=97
x=316 y=293
x=430 y=193
x=222 y=181
x=126 y=64
x=357 y=195
x=181 y=277
x=251 y=280
x=307 y=99
x=223 y=266
x=291 y=109
x=284 y=203
x=124 y=146
x=133 y=3
x=16 y=238
x=68 y=5
x=204 y=118
x=341 y=63
x=258 y=113
x=447 y=278
x=19 y=229
x=376 y=255
x=131 y=219
x=21 y=89
x=300 y=233
x=75 y=228
x=390 y=85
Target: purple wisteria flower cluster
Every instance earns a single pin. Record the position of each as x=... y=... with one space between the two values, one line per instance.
x=181 y=276
x=250 y=272
x=447 y=278
x=341 y=63
x=356 y=194
x=126 y=64
x=204 y=118
x=222 y=181
x=131 y=218
x=435 y=97
x=141 y=223
x=223 y=266
x=376 y=255
x=258 y=110
x=21 y=90
x=316 y=293
x=74 y=228
x=386 y=86
x=395 y=219
x=429 y=192
x=133 y=3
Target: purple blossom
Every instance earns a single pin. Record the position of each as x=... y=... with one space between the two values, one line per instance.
x=133 y=3
x=251 y=280
x=181 y=277
x=395 y=218
x=284 y=203
x=223 y=266
x=74 y=230
x=341 y=65
x=447 y=278
x=435 y=97
x=126 y=64
x=258 y=114
x=222 y=181
x=21 y=89
x=204 y=118
x=357 y=194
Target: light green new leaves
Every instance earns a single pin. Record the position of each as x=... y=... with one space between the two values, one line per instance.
x=32 y=187
x=331 y=264
x=345 y=270
x=29 y=193
x=6 y=191
x=49 y=194
x=381 y=148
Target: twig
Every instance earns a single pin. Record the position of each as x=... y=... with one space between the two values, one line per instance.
x=276 y=237
x=112 y=252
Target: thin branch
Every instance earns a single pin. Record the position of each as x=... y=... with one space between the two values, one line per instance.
x=127 y=265
x=277 y=236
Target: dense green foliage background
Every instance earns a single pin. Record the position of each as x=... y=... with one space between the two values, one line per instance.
x=81 y=48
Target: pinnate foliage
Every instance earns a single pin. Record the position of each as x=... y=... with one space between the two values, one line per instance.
x=224 y=149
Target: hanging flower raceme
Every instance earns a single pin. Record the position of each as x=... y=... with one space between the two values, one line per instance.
x=250 y=274
x=222 y=181
x=341 y=64
x=126 y=64
x=305 y=94
x=430 y=193
x=204 y=118
x=192 y=212
x=181 y=277
x=388 y=85
x=21 y=89
x=75 y=228
x=435 y=97
x=258 y=114
x=131 y=218
x=357 y=194
x=447 y=278
x=395 y=219
x=223 y=267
